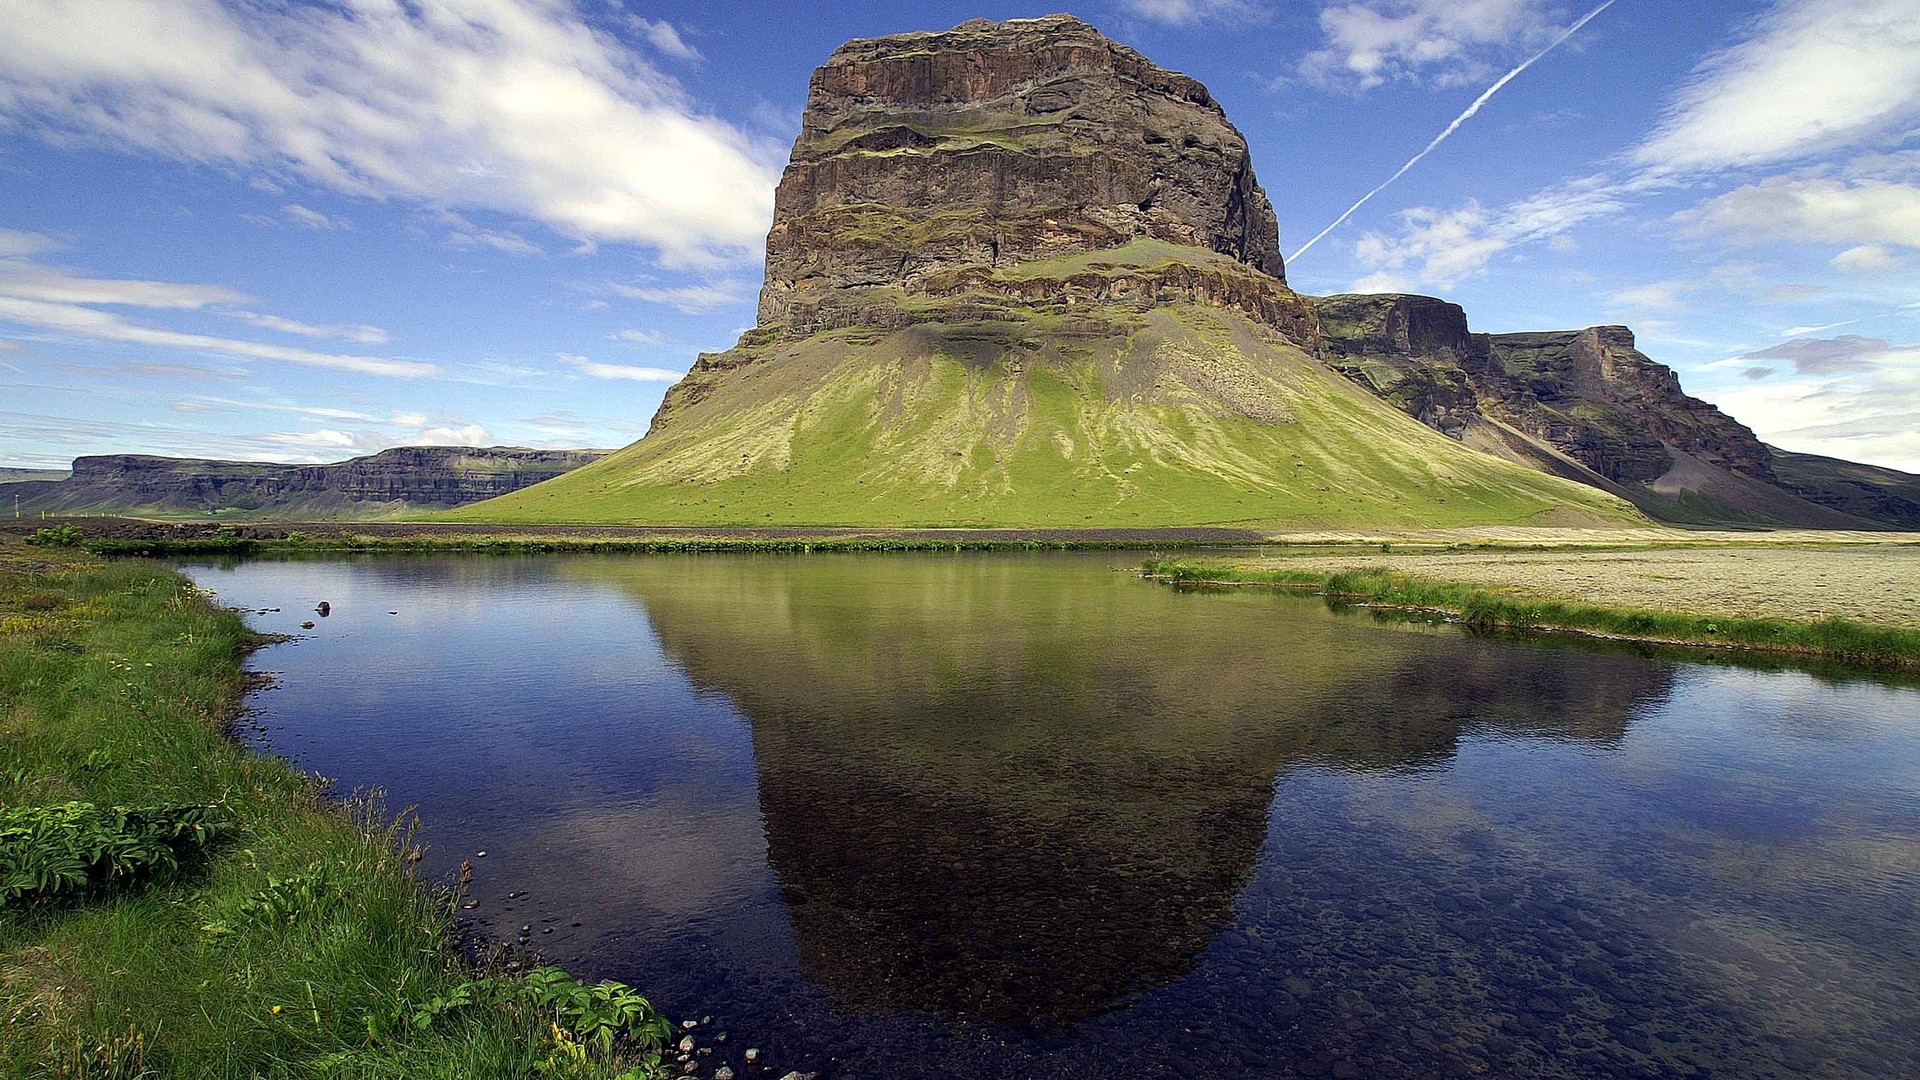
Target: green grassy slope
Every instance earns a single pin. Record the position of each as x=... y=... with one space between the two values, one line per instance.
x=1182 y=415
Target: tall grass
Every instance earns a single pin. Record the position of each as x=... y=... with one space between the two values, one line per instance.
x=1483 y=608
x=295 y=944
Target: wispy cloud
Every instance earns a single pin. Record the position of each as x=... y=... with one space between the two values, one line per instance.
x=313 y=219
x=54 y=299
x=1851 y=397
x=1437 y=248
x=1812 y=208
x=629 y=372
x=1442 y=42
x=355 y=332
x=14 y=242
x=495 y=239
x=430 y=100
x=640 y=337
x=1189 y=12
x=1808 y=76
x=1468 y=114
x=663 y=36
x=688 y=299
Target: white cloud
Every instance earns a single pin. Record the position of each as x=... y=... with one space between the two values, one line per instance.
x=463 y=435
x=1188 y=12
x=1809 y=76
x=24 y=280
x=690 y=299
x=1654 y=296
x=640 y=337
x=314 y=219
x=14 y=242
x=629 y=372
x=498 y=239
x=1866 y=259
x=1443 y=42
x=1850 y=397
x=207 y=404
x=515 y=106
x=356 y=332
x=662 y=36
x=1440 y=248
x=49 y=298
x=1806 y=207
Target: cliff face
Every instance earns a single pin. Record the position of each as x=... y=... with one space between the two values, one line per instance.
x=996 y=144
x=1585 y=404
x=404 y=478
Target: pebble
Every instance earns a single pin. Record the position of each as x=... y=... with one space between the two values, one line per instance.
x=798 y=1075
x=723 y=1073
x=480 y=855
x=689 y=1024
x=753 y=1055
x=686 y=1045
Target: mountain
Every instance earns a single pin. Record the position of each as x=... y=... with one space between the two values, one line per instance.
x=1589 y=406
x=388 y=483
x=16 y=476
x=1019 y=275
x=1870 y=491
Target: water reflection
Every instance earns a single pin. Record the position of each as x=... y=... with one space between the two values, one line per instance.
x=1006 y=799
x=1016 y=816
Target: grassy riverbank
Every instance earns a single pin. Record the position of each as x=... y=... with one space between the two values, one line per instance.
x=1488 y=606
x=173 y=905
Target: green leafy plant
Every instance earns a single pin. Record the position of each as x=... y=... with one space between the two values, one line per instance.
x=78 y=848
x=60 y=536
x=589 y=1018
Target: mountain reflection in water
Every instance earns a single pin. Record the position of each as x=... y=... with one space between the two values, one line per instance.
x=1001 y=801
x=1004 y=816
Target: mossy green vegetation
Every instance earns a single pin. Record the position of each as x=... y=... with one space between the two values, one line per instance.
x=176 y=906
x=1485 y=608
x=1195 y=416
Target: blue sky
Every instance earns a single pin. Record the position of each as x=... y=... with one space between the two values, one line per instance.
x=303 y=232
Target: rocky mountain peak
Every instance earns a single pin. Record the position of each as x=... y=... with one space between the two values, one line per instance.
x=997 y=144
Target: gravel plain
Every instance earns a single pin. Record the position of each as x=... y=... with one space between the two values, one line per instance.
x=1868 y=582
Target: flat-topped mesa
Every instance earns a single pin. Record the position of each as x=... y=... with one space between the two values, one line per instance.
x=931 y=159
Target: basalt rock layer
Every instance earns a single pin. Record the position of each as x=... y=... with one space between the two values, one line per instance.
x=992 y=145
x=389 y=482
x=1584 y=404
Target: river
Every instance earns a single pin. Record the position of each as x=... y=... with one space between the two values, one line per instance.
x=993 y=816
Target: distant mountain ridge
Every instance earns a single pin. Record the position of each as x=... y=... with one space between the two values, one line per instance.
x=385 y=484
x=1590 y=406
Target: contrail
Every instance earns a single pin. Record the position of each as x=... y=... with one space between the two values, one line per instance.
x=1453 y=127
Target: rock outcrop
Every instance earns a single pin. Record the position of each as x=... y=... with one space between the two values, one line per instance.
x=1584 y=404
x=391 y=481
x=993 y=145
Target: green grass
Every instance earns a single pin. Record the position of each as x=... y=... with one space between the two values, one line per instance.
x=1197 y=417
x=1483 y=608
x=289 y=940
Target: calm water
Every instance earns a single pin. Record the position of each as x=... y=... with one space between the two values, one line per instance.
x=902 y=816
